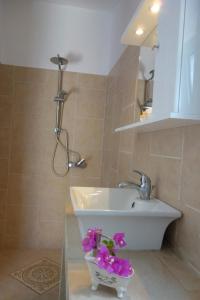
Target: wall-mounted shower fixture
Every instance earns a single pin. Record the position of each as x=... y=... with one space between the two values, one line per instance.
x=79 y=164
x=60 y=98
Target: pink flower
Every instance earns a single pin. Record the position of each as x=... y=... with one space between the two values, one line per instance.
x=119 y=239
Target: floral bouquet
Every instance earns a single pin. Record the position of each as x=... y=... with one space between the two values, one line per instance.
x=104 y=251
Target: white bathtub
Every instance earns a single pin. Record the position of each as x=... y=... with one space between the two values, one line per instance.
x=111 y=209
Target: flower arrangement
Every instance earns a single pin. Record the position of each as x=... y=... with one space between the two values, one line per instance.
x=104 y=250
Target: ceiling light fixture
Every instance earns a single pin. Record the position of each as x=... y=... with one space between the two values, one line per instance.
x=139 y=31
x=155 y=7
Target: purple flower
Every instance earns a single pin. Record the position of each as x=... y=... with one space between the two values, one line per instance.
x=94 y=233
x=119 y=239
x=113 y=264
x=88 y=244
x=91 y=240
x=122 y=267
x=105 y=252
x=103 y=257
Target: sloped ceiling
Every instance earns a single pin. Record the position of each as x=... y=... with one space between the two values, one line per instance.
x=105 y=5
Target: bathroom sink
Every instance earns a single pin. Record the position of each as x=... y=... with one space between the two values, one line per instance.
x=115 y=209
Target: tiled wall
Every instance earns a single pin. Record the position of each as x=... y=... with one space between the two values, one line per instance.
x=170 y=157
x=121 y=109
x=32 y=198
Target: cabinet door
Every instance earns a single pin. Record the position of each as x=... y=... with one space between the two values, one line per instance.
x=168 y=58
x=190 y=73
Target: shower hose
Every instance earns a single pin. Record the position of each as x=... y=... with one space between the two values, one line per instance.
x=65 y=147
x=67 y=151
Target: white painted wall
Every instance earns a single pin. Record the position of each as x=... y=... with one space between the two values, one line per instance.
x=36 y=30
x=121 y=18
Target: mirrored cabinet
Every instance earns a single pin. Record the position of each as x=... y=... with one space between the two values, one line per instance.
x=168 y=86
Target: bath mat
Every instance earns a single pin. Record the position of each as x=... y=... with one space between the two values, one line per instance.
x=41 y=276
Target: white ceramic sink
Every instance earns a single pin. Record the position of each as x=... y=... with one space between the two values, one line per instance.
x=115 y=209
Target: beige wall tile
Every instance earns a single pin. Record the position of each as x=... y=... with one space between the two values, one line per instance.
x=34 y=208
x=188 y=236
x=190 y=188
x=34 y=121
x=115 y=154
x=6 y=80
x=94 y=163
x=89 y=132
x=74 y=238
x=52 y=209
x=91 y=103
x=31 y=98
x=24 y=163
x=88 y=81
x=24 y=189
x=141 y=155
x=5 y=115
x=125 y=170
x=70 y=80
x=3 y=173
x=167 y=142
x=108 y=134
x=4 y=142
x=3 y=199
x=106 y=168
x=165 y=174
x=51 y=235
x=82 y=180
x=169 y=157
x=2 y=233
x=6 y=100
x=17 y=216
x=27 y=237
x=127 y=115
x=33 y=75
x=21 y=227
x=127 y=141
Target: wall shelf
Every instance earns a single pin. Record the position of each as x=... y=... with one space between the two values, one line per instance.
x=153 y=124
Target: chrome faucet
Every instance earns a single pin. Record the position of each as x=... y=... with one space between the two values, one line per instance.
x=144 y=188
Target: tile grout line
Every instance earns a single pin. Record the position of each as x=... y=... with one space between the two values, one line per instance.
x=165 y=156
x=193 y=208
x=104 y=126
x=10 y=151
x=180 y=177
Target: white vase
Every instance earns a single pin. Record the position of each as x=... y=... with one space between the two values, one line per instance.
x=101 y=276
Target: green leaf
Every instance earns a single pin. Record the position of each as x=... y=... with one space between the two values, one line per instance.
x=105 y=242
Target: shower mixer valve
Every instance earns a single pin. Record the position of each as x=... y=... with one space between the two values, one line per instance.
x=78 y=164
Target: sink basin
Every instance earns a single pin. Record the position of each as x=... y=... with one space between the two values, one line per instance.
x=113 y=209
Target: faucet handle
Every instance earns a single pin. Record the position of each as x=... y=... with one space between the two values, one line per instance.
x=140 y=173
x=143 y=177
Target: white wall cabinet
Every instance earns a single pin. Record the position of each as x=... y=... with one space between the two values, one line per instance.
x=190 y=73
x=176 y=96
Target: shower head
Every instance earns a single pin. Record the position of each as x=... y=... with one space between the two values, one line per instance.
x=58 y=60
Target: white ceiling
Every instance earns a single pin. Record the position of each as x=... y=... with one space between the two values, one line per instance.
x=105 y=5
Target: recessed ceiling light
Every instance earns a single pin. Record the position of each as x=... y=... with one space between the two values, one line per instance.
x=139 y=31
x=155 y=7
